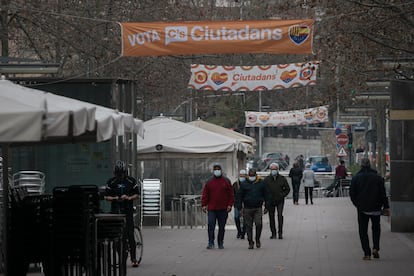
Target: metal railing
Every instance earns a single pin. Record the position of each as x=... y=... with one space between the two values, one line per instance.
x=186 y=211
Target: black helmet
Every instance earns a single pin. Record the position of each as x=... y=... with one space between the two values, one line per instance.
x=120 y=167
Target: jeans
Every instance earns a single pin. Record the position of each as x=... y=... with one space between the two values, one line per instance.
x=363 y=220
x=241 y=229
x=221 y=217
x=279 y=207
x=254 y=215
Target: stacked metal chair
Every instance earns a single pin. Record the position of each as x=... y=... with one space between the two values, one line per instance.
x=32 y=181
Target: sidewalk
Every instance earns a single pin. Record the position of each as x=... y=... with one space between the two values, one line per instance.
x=319 y=239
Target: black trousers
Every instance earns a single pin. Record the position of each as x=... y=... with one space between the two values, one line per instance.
x=309 y=194
x=272 y=210
x=296 y=187
x=129 y=234
x=363 y=220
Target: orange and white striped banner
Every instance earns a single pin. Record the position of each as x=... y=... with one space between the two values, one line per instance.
x=287 y=118
x=252 y=78
x=217 y=37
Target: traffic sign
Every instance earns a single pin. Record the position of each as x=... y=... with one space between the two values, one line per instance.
x=342 y=139
x=342 y=152
x=338 y=131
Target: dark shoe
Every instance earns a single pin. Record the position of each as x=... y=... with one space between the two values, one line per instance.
x=366 y=258
x=251 y=246
x=210 y=246
x=238 y=236
x=280 y=236
x=258 y=244
x=242 y=237
x=375 y=254
x=220 y=246
x=135 y=263
x=273 y=237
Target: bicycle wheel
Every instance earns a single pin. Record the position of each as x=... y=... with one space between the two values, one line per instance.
x=139 y=244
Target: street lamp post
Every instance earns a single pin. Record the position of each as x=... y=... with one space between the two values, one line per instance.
x=260 y=127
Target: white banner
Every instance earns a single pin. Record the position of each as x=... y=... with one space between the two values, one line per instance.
x=287 y=118
x=252 y=78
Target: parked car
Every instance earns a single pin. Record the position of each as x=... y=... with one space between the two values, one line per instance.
x=264 y=166
x=272 y=157
x=319 y=163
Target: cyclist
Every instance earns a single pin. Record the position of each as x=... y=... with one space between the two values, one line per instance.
x=121 y=190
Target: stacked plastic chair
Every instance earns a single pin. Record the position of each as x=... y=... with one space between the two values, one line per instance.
x=30 y=230
x=74 y=248
x=110 y=248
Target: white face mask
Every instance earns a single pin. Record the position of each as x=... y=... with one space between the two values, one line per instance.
x=217 y=173
x=241 y=179
x=274 y=172
x=252 y=178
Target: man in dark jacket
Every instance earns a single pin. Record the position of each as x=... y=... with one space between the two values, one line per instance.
x=251 y=196
x=217 y=199
x=368 y=194
x=121 y=191
x=278 y=188
x=296 y=175
x=238 y=216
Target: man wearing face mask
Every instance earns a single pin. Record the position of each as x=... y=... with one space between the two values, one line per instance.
x=241 y=230
x=251 y=196
x=217 y=200
x=278 y=188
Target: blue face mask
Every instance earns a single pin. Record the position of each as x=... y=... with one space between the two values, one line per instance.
x=252 y=178
x=241 y=179
x=274 y=172
x=217 y=173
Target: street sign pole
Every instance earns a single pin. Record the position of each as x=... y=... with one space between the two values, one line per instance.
x=342 y=140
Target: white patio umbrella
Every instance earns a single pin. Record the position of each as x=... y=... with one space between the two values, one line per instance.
x=33 y=116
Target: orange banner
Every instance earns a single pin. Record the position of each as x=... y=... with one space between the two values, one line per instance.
x=217 y=37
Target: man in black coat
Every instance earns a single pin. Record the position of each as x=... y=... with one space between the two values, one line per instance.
x=368 y=194
x=121 y=191
x=278 y=188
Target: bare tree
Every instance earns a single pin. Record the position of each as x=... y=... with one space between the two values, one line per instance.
x=84 y=38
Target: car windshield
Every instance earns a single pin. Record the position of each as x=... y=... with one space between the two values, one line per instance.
x=272 y=155
x=318 y=159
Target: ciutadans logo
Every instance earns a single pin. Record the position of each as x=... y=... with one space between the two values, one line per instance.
x=176 y=34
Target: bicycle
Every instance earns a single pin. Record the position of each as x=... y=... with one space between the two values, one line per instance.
x=139 y=248
x=139 y=245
